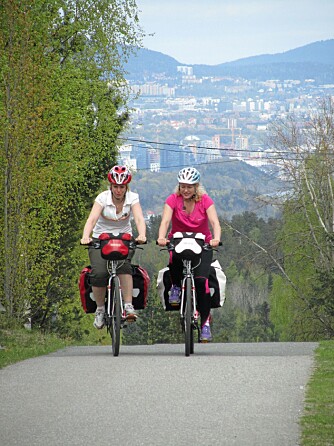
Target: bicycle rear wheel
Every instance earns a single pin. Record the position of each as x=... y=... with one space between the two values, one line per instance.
x=192 y=340
x=188 y=331
x=116 y=317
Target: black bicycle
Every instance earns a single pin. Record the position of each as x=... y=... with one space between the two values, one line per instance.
x=115 y=250
x=188 y=247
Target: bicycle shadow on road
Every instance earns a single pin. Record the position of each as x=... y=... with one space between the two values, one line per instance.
x=213 y=349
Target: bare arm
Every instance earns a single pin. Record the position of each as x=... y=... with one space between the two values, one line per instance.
x=164 y=225
x=214 y=222
x=140 y=222
x=90 y=223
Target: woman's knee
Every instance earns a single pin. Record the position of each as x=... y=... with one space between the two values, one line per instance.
x=202 y=285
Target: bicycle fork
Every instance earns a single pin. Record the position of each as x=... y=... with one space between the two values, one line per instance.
x=110 y=303
x=195 y=313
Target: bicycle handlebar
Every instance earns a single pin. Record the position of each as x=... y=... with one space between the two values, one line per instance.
x=97 y=244
x=170 y=246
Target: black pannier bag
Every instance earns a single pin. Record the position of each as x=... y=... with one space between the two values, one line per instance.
x=217 y=285
x=141 y=282
x=86 y=293
x=188 y=245
x=115 y=247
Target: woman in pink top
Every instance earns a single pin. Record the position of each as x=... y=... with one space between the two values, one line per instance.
x=190 y=209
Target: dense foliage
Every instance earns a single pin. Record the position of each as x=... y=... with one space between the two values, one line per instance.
x=302 y=297
x=62 y=107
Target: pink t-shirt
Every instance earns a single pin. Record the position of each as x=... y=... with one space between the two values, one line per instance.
x=197 y=221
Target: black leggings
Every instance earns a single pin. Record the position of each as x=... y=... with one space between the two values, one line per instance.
x=201 y=275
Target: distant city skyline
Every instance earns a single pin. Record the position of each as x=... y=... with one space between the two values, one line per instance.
x=217 y=31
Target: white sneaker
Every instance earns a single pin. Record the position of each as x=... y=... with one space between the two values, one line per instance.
x=130 y=312
x=99 y=320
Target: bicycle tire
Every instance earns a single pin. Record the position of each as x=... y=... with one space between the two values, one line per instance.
x=116 y=317
x=187 y=318
x=192 y=341
x=194 y=328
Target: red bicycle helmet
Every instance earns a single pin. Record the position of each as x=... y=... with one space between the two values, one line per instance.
x=119 y=175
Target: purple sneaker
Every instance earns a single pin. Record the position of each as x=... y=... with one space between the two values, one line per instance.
x=206 y=334
x=174 y=295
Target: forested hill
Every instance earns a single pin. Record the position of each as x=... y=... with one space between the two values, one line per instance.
x=315 y=60
x=234 y=185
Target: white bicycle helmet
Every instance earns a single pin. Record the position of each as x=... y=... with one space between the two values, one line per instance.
x=188 y=175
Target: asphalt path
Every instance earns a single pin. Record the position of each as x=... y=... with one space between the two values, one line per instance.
x=224 y=394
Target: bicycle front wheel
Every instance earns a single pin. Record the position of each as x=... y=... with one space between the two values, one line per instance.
x=188 y=334
x=116 y=317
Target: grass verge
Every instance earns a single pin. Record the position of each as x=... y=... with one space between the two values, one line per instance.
x=317 y=422
x=19 y=344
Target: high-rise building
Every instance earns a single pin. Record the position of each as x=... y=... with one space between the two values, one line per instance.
x=141 y=153
x=171 y=157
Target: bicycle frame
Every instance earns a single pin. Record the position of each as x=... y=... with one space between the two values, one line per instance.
x=188 y=307
x=188 y=273
x=115 y=317
x=112 y=266
x=115 y=313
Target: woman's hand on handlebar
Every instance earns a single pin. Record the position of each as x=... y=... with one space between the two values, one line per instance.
x=141 y=239
x=162 y=241
x=214 y=243
x=85 y=241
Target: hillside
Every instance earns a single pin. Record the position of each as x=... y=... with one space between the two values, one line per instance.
x=147 y=62
x=321 y=52
x=234 y=185
x=315 y=60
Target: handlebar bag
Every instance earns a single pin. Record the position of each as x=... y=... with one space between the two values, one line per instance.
x=115 y=247
x=188 y=245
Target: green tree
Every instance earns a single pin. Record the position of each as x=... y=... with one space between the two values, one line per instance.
x=307 y=239
x=63 y=105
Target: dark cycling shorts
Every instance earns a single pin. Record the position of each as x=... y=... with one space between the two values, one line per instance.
x=99 y=275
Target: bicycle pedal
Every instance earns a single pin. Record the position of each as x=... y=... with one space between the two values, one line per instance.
x=174 y=304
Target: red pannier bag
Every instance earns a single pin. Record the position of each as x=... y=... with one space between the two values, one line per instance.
x=86 y=293
x=115 y=247
x=141 y=283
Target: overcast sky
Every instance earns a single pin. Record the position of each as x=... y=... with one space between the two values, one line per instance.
x=217 y=31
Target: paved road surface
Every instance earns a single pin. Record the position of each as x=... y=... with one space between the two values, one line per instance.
x=225 y=394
